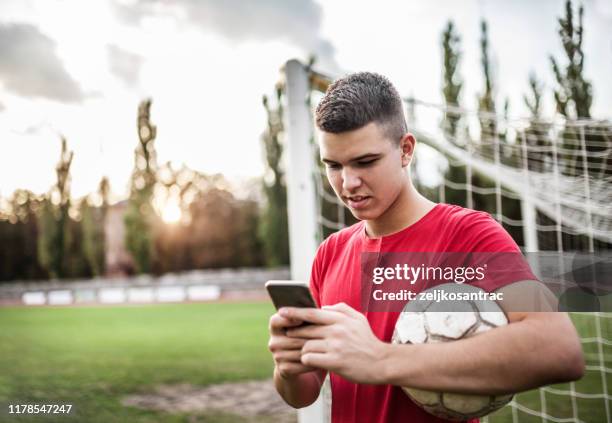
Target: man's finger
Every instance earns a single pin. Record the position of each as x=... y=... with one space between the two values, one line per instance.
x=315 y=346
x=288 y=355
x=278 y=323
x=343 y=308
x=311 y=315
x=319 y=360
x=278 y=343
x=309 y=332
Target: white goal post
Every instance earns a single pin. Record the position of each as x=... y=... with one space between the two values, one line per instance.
x=301 y=205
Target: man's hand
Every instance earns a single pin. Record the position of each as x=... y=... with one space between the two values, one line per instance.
x=297 y=383
x=339 y=340
x=286 y=351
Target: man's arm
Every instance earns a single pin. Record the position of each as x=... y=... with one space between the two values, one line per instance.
x=535 y=349
x=544 y=348
x=298 y=384
x=299 y=390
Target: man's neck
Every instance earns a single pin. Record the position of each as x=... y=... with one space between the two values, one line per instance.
x=409 y=207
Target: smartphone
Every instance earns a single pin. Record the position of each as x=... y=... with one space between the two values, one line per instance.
x=290 y=294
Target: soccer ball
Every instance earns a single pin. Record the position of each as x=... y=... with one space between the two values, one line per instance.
x=423 y=322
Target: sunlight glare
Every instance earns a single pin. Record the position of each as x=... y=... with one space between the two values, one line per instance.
x=171 y=212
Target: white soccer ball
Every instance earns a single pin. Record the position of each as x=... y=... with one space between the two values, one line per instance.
x=423 y=322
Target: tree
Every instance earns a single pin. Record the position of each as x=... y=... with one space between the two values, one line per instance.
x=452 y=81
x=536 y=134
x=534 y=103
x=274 y=224
x=486 y=100
x=486 y=106
x=489 y=137
x=451 y=89
x=140 y=216
x=19 y=230
x=222 y=230
x=574 y=97
x=494 y=145
x=93 y=220
x=54 y=219
x=574 y=93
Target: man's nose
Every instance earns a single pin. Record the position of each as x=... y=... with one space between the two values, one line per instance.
x=350 y=179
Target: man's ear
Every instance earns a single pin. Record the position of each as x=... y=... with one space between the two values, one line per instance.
x=407 y=144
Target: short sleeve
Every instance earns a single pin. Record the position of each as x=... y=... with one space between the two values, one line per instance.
x=494 y=246
x=481 y=233
x=316 y=273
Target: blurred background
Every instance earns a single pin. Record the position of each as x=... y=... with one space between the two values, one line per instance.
x=144 y=170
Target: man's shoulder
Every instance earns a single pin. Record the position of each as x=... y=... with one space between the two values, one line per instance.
x=342 y=238
x=474 y=230
x=459 y=219
x=452 y=213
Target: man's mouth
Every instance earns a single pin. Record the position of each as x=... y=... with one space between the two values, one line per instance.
x=358 y=201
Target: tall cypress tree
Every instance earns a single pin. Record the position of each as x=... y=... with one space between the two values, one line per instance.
x=486 y=100
x=452 y=81
x=274 y=229
x=54 y=219
x=93 y=220
x=574 y=97
x=574 y=94
x=493 y=140
x=451 y=89
x=140 y=216
x=536 y=136
x=488 y=122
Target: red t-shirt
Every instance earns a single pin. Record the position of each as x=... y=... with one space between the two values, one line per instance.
x=336 y=277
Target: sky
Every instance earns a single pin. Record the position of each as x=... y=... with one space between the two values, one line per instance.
x=80 y=69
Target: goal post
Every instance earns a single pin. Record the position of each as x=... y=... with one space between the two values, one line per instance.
x=301 y=194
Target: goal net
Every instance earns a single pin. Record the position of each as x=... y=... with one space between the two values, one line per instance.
x=548 y=182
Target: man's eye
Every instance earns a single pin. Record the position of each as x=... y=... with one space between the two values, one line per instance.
x=332 y=166
x=366 y=162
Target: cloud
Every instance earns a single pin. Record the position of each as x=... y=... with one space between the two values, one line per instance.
x=602 y=8
x=124 y=64
x=297 y=21
x=36 y=128
x=30 y=67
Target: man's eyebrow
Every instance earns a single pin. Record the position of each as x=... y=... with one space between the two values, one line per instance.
x=355 y=159
x=324 y=160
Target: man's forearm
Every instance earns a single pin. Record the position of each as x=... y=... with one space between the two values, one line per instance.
x=513 y=358
x=300 y=390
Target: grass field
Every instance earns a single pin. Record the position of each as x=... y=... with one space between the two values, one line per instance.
x=560 y=406
x=93 y=357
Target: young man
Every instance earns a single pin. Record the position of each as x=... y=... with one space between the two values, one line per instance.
x=367 y=150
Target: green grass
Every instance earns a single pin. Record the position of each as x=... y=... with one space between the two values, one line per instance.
x=92 y=357
x=560 y=406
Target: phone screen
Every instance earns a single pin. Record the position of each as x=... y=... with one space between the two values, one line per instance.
x=290 y=296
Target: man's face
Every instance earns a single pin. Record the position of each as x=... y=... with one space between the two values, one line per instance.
x=365 y=169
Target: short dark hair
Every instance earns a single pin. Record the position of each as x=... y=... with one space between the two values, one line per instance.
x=359 y=99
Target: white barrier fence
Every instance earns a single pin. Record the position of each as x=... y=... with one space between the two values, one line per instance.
x=202 y=285
x=166 y=294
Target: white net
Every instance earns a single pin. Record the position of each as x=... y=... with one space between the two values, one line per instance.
x=548 y=183
x=563 y=169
